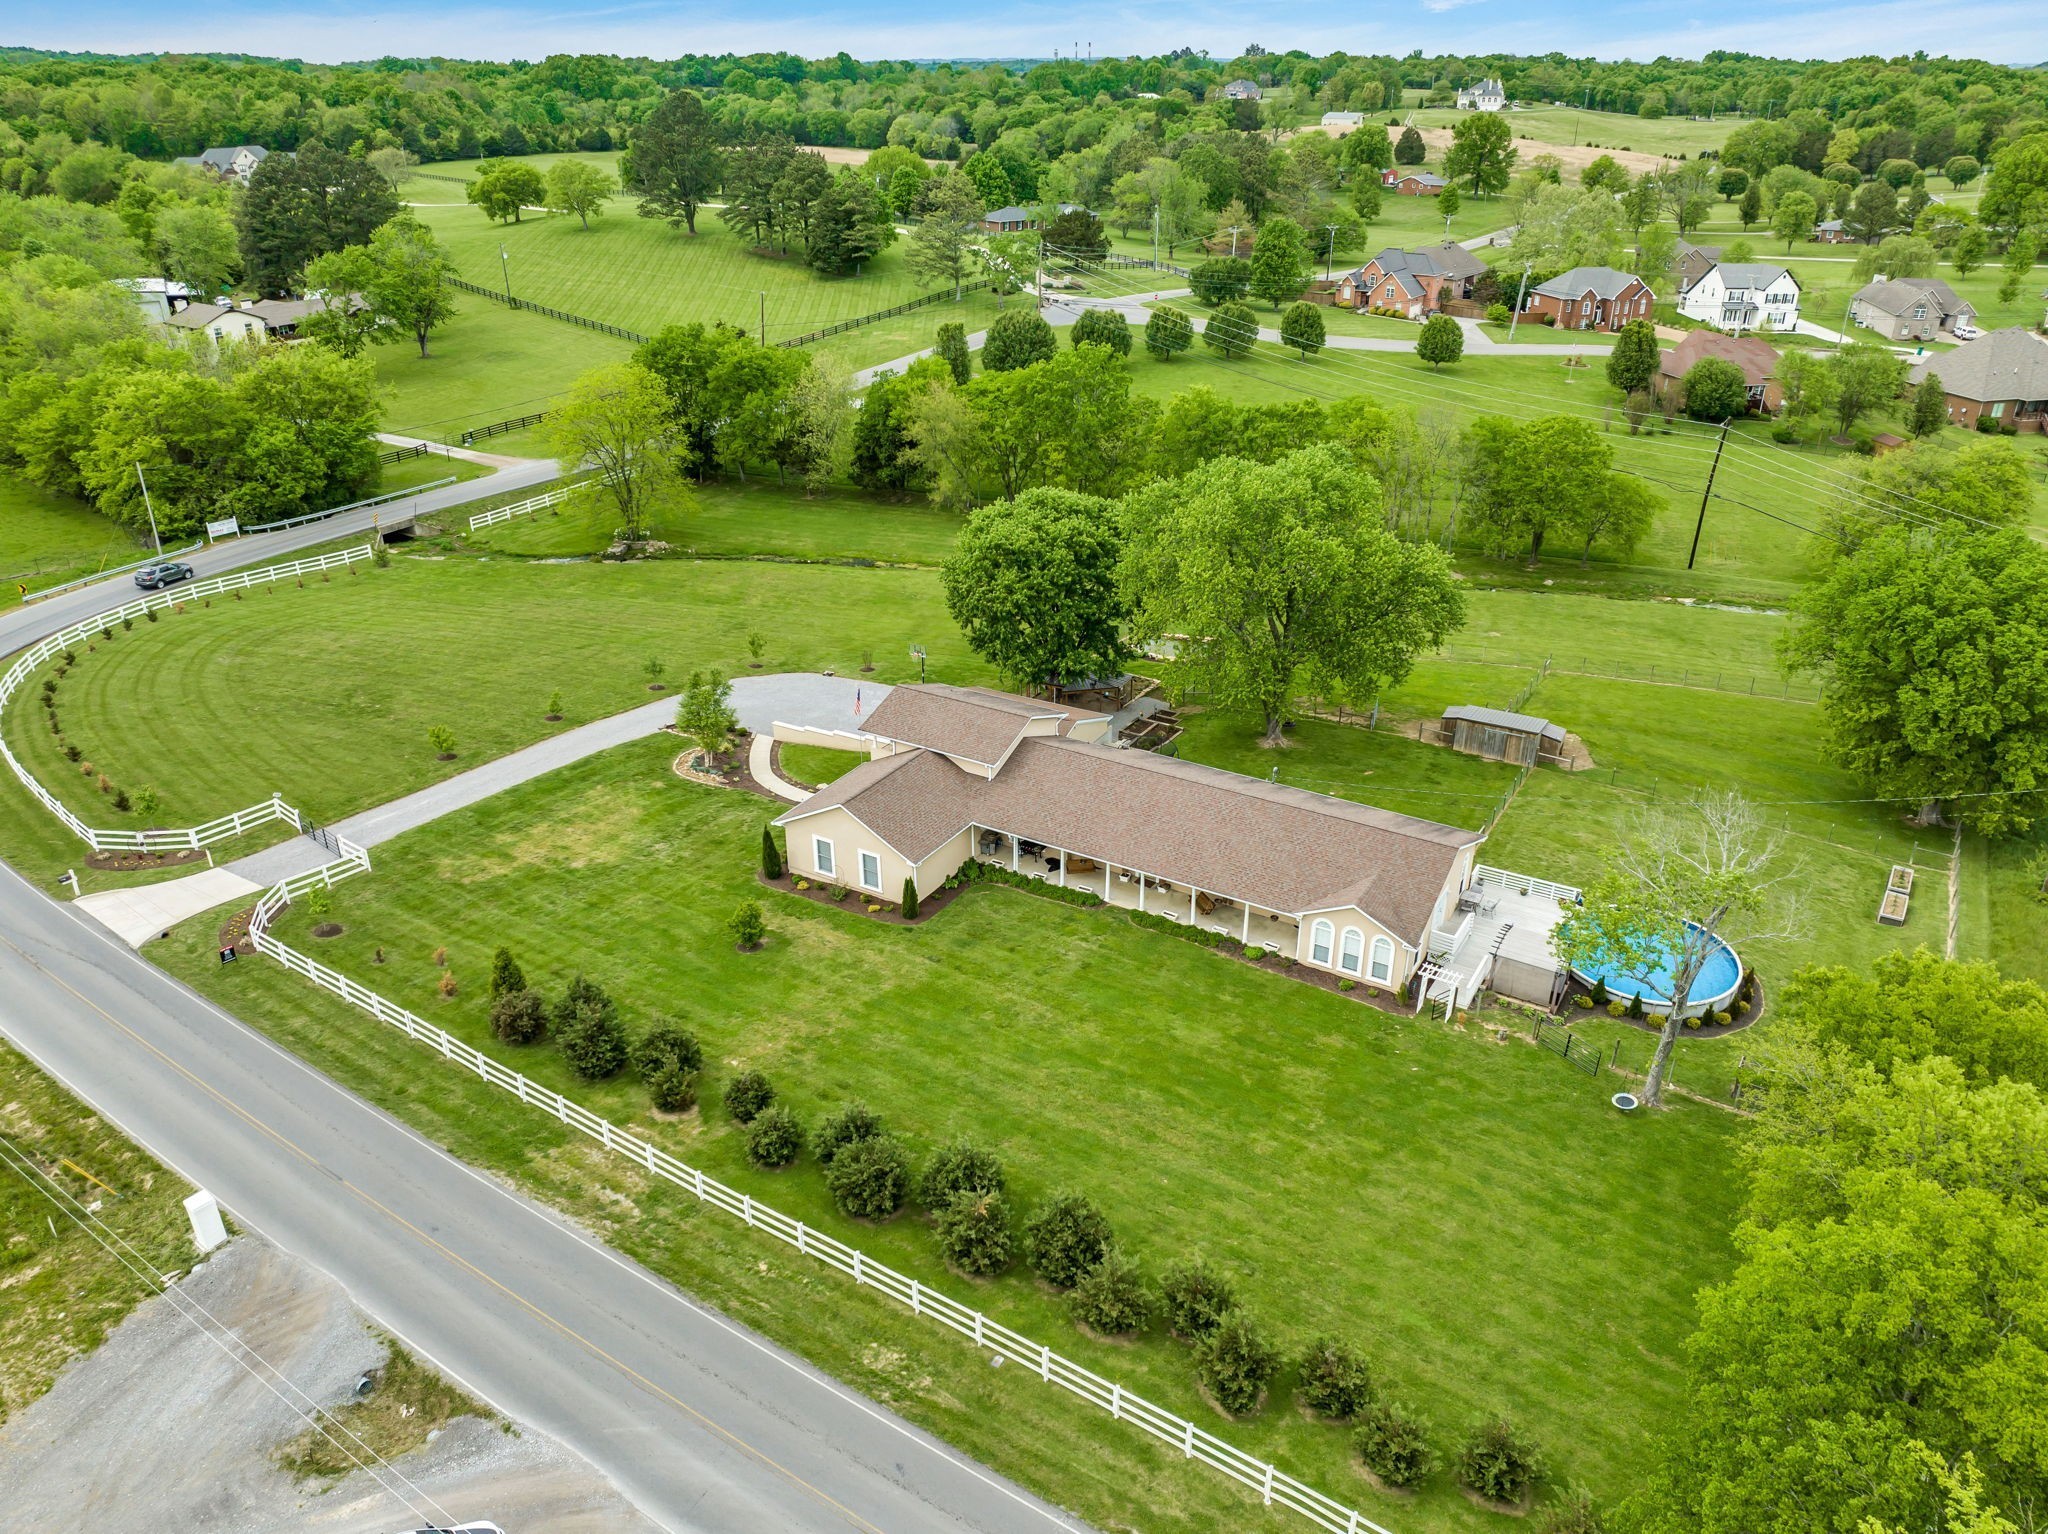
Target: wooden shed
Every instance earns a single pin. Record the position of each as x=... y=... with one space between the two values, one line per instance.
x=1500 y=736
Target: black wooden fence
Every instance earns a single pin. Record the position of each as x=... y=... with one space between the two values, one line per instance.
x=883 y=314
x=477 y=434
x=400 y=454
x=554 y=314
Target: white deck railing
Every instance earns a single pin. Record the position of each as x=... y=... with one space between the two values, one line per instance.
x=1527 y=884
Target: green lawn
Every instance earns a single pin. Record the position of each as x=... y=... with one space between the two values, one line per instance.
x=65 y=1291
x=432 y=640
x=47 y=539
x=1564 y=124
x=815 y=766
x=907 y=334
x=489 y=364
x=1357 y=1171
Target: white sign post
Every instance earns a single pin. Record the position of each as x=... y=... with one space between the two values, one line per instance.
x=227 y=527
x=208 y=1231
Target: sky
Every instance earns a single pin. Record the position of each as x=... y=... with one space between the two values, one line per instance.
x=2008 y=31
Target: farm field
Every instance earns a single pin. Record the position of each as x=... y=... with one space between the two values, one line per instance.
x=1192 y=1059
x=489 y=364
x=1561 y=126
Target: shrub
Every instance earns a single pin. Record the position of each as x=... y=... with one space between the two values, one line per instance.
x=1197 y=1299
x=955 y=1169
x=1575 y=1513
x=519 y=1017
x=72 y=753
x=1635 y=1005
x=1235 y=1361
x=594 y=1043
x=1583 y=1002
x=1393 y=1443
x=121 y=800
x=1785 y=432
x=748 y=930
x=666 y=1044
x=441 y=959
x=147 y=800
x=1617 y=1009
x=1347 y=985
x=673 y=1089
x=909 y=899
x=441 y=740
x=1600 y=992
x=1111 y=1297
x=1103 y=327
x=1498 y=1462
x=1255 y=954
x=771 y=855
x=1065 y=1238
x=506 y=975
x=446 y=985
x=869 y=1178
x=974 y=1232
x=774 y=1137
x=105 y=784
x=748 y=1095
x=1499 y=314
x=855 y=1122
x=1334 y=1379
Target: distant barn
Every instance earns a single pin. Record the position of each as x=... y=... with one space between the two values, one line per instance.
x=1500 y=736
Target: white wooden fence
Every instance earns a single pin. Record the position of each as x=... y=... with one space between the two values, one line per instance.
x=526 y=507
x=184 y=838
x=1526 y=884
x=1274 y=1486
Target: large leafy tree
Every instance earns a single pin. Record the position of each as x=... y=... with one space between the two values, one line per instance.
x=1539 y=477
x=676 y=160
x=300 y=206
x=942 y=245
x=1792 y=219
x=1867 y=377
x=1634 y=361
x=1280 y=264
x=2016 y=195
x=1283 y=578
x=505 y=189
x=199 y=246
x=1033 y=584
x=616 y=420
x=411 y=288
x=1482 y=153
x=1933 y=643
x=578 y=187
x=1908 y=1006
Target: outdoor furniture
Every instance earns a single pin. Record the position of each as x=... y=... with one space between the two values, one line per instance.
x=1083 y=866
x=1468 y=898
x=991 y=844
x=1489 y=897
x=1052 y=865
x=1205 y=905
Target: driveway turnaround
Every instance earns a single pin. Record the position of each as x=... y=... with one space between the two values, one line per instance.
x=143 y=911
x=704 y=1425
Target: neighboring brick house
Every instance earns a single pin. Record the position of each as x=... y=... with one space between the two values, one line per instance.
x=1743 y=295
x=1693 y=262
x=2002 y=376
x=1831 y=233
x=1416 y=282
x=1413 y=183
x=238 y=161
x=1757 y=359
x=1592 y=298
x=1910 y=308
x=1486 y=96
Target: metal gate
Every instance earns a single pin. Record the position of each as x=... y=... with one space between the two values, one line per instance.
x=1560 y=1040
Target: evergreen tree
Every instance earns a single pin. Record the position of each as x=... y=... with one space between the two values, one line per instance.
x=1280 y=265
x=1441 y=341
x=952 y=350
x=300 y=206
x=771 y=855
x=1633 y=362
x=1016 y=340
x=1930 y=407
x=1409 y=149
x=676 y=161
x=1168 y=333
x=506 y=975
x=1302 y=327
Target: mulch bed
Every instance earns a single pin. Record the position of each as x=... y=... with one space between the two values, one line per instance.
x=234 y=932
x=329 y=929
x=1573 y=1012
x=129 y=862
x=732 y=769
x=856 y=904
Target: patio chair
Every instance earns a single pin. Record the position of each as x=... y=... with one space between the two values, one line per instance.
x=1205 y=904
x=1489 y=898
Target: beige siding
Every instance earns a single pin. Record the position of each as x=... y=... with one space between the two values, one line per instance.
x=849 y=839
x=836 y=740
x=1350 y=918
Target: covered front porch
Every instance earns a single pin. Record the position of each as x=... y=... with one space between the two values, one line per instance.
x=1137 y=890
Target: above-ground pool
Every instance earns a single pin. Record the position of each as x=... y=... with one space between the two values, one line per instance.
x=1720 y=977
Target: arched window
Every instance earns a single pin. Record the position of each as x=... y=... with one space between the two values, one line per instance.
x=1352 y=953
x=1382 y=959
x=1319 y=938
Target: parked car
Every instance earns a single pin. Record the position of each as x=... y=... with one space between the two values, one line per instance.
x=1965 y=331
x=481 y=1526
x=169 y=573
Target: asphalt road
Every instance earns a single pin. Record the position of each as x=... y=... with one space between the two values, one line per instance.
x=700 y=1422
x=22 y=624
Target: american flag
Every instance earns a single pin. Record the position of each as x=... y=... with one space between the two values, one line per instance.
x=856 y=703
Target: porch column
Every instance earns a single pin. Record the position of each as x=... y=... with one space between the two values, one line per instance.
x=1013 y=854
x=1191 y=905
x=1247 y=924
x=1065 y=859
x=1141 y=889
x=1107 y=870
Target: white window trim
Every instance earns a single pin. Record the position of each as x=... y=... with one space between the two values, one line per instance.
x=1351 y=952
x=823 y=858
x=1381 y=965
x=864 y=884
x=1322 y=935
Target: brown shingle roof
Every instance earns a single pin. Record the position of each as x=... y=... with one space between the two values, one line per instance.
x=1282 y=848
x=1757 y=358
x=2006 y=364
x=977 y=723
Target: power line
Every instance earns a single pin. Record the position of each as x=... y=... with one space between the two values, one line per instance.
x=222 y=1336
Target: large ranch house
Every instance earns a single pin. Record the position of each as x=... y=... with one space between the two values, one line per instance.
x=960 y=773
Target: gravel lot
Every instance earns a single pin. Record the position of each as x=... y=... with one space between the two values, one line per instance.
x=162 y=1428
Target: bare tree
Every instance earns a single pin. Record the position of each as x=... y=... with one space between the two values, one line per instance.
x=1676 y=881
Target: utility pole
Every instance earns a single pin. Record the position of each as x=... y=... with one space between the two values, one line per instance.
x=1155 y=236
x=1712 y=469
x=1520 y=293
x=153 y=533
x=505 y=263
x=1233 y=241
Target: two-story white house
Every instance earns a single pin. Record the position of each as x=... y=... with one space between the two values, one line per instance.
x=1486 y=96
x=1739 y=296
x=237 y=161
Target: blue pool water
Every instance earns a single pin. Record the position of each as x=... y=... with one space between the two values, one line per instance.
x=1717 y=977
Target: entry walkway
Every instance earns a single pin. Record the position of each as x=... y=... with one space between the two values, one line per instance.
x=807 y=698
